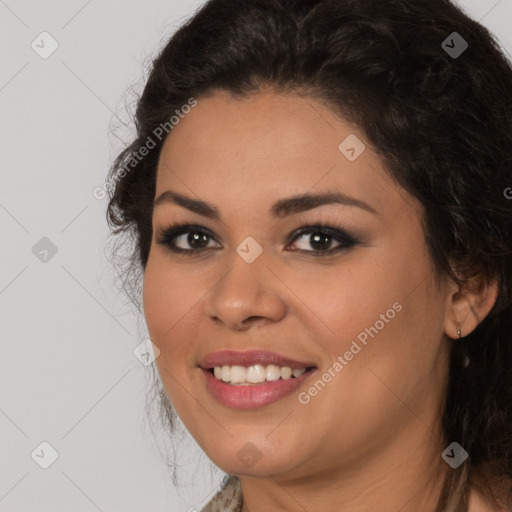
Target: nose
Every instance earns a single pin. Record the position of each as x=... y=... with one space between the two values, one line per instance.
x=246 y=294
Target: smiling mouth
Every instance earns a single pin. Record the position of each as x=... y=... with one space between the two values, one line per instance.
x=256 y=374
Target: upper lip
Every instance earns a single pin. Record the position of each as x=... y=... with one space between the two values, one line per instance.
x=249 y=358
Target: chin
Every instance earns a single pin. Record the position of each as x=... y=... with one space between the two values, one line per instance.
x=250 y=461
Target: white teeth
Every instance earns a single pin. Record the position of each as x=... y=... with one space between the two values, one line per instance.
x=226 y=373
x=272 y=372
x=286 y=372
x=255 y=374
x=238 y=374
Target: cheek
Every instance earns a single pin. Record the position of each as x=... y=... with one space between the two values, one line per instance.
x=169 y=299
x=384 y=308
x=383 y=326
x=167 y=308
x=388 y=330
x=169 y=291
x=338 y=302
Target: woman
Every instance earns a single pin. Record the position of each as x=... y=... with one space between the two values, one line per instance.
x=319 y=198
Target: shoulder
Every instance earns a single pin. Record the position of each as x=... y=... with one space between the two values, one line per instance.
x=228 y=499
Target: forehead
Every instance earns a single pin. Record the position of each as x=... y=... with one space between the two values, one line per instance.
x=245 y=152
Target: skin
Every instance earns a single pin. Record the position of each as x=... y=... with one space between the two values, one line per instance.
x=371 y=439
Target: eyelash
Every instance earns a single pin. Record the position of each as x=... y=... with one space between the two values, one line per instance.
x=166 y=238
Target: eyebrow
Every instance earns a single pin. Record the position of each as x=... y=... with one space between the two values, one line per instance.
x=282 y=208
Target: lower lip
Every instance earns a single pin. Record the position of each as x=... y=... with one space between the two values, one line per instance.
x=252 y=397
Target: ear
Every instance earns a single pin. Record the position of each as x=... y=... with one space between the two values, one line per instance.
x=468 y=304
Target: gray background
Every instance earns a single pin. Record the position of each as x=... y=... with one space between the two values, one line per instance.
x=67 y=368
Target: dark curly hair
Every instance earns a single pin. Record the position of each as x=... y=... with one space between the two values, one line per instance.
x=442 y=124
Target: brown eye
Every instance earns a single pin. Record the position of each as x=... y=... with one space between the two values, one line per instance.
x=320 y=238
x=195 y=239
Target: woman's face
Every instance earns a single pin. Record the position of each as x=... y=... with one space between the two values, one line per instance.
x=364 y=316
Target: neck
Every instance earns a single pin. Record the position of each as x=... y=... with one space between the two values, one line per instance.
x=406 y=475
